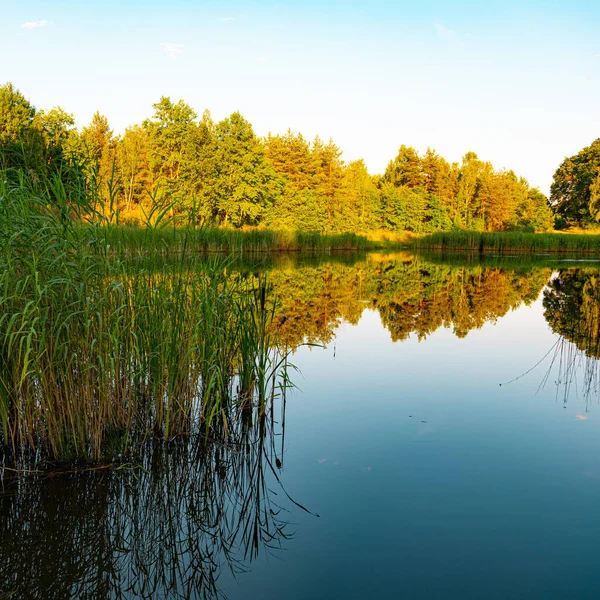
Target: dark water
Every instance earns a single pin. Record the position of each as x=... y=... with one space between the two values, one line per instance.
x=399 y=468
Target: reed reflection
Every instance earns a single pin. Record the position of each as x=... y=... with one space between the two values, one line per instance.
x=165 y=527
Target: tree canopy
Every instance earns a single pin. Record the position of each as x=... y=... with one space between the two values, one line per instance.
x=575 y=191
x=223 y=173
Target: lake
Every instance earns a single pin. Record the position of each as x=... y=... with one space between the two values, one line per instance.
x=442 y=441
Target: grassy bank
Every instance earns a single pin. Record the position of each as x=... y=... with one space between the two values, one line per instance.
x=510 y=242
x=169 y=240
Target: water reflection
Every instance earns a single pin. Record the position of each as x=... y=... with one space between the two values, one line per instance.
x=572 y=309
x=174 y=523
x=411 y=294
x=163 y=528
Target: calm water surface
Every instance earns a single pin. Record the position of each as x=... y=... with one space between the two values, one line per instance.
x=400 y=467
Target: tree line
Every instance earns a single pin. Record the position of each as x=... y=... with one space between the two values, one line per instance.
x=196 y=171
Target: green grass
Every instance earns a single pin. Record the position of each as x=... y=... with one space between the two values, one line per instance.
x=510 y=242
x=96 y=357
x=169 y=240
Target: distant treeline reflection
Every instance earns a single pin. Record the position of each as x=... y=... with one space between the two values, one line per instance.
x=411 y=294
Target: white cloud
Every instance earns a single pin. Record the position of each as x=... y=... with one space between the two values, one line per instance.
x=34 y=24
x=444 y=32
x=172 y=50
x=227 y=19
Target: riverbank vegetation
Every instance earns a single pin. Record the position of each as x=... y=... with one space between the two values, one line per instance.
x=97 y=355
x=104 y=343
x=128 y=240
x=510 y=242
x=191 y=171
x=575 y=191
x=102 y=348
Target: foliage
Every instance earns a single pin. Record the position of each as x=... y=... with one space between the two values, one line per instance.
x=194 y=173
x=168 y=241
x=246 y=185
x=98 y=354
x=575 y=191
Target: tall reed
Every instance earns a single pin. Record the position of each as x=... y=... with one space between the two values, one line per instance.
x=510 y=241
x=96 y=356
x=128 y=240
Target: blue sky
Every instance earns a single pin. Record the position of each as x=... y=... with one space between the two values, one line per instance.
x=518 y=82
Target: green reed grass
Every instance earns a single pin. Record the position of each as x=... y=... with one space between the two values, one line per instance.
x=507 y=242
x=97 y=356
x=173 y=240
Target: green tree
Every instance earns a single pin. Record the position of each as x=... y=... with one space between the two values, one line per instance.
x=16 y=115
x=301 y=210
x=439 y=177
x=59 y=133
x=406 y=169
x=328 y=173
x=199 y=170
x=403 y=208
x=245 y=185
x=466 y=197
x=358 y=199
x=21 y=143
x=496 y=198
x=437 y=216
x=134 y=167
x=595 y=196
x=291 y=156
x=534 y=212
x=97 y=149
x=573 y=194
x=168 y=131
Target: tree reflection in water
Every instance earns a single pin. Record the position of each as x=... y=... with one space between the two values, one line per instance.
x=412 y=295
x=166 y=527
x=572 y=309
